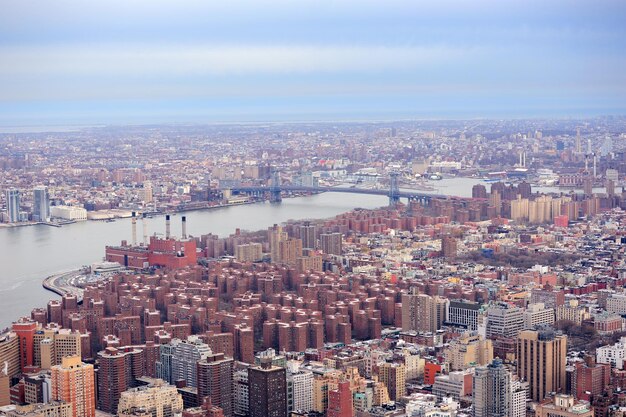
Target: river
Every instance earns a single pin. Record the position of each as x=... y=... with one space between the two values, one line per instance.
x=29 y=254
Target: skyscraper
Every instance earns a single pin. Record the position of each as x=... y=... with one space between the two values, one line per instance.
x=41 y=204
x=497 y=392
x=74 y=382
x=541 y=360
x=215 y=381
x=13 y=205
x=267 y=396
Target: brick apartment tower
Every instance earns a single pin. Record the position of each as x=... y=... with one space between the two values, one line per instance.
x=114 y=377
x=267 y=390
x=340 y=401
x=215 y=382
x=25 y=329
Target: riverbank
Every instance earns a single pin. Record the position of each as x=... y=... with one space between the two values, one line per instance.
x=63 y=283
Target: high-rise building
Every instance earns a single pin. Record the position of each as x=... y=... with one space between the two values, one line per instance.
x=307 y=235
x=331 y=243
x=267 y=395
x=5 y=388
x=249 y=252
x=497 y=393
x=13 y=205
x=340 y=401
x=448 y=247
x=590 y=379
x=74 y=382
x=186 y=355
x=479 y=191
x=158 y=399
x=538 y=314
x=301 y=383
x=276 y=235
x=463 y=313
x=117 y=372
x=504 y=320
x=290 y=250
x=541 y=360
x=178 y=359
x=422 y=312
x=37 y=388
x=240 y=392
x=215 y=381
x=52 y=344
x=524 y=189
x=25 y=329
x=9 y=354
x=41 y=204
x=393 y=375
x=470 y=349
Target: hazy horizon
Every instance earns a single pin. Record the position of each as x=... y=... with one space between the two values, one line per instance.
x=116 y=62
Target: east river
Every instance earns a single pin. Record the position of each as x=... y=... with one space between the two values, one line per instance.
x=31 y=253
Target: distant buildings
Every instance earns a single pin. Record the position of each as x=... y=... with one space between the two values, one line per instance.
x=68 y=213
x=41 y=204
x=13 y=205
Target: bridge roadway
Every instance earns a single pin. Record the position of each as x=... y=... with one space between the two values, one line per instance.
x=401 y=194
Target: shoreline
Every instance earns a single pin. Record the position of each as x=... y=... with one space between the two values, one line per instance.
x=57 y=284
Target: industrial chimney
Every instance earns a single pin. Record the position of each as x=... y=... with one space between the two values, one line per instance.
x=167 y=226
x=145 y=229
x=134 y=223
x=184 y=227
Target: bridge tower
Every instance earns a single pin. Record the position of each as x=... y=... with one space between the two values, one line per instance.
x=275 y=196
x=394 y=189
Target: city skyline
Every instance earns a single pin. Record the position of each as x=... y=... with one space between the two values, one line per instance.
x=115 y=63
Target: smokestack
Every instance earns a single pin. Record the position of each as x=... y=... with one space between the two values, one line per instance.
x=520 y=159
x=524 y=163
x=167 y=226
x=184 y=227
x=134 y=223
x=145 y=229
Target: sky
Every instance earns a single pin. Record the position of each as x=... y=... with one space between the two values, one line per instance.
x=133 y=61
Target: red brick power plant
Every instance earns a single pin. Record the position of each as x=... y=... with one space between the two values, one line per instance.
x=167 y=253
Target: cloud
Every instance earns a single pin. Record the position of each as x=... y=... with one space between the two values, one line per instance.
x=180 y=60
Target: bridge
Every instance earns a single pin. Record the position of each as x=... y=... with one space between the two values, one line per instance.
x=275 y=189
